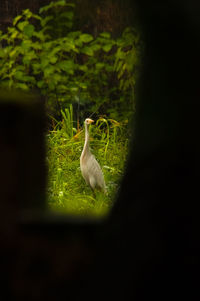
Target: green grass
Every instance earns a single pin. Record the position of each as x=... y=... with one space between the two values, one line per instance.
x=67 y=190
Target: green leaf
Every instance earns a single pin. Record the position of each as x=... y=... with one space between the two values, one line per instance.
x=118 y=65
x=19 y=75
x=36 y=68
x=57 y=77
x=36 y=17
x=4 y=37
x=73 y=89
x=28 y=30
x=95 y=47
x=20 y=67
x=45 y=20
x=36 y=46
x=16 y=19
x=46 y=7
x=85 y=37
x=120 y=54
x=56 y=49
x=107 y=47
x=100 y=65
x=13 y=52
x=49 y=70
x=21 y=25
x=14 y=34
x=44 y=62
x=61 y=3
x=55 y=4
x=83 y=85
x=87 y=50
x=74 y=34
x=40 y=84
x=67 y=65
x=105 y=35
x=83 y=68
x=61 y=88
x=30 y=79
x=22 y=86
x=53 y=59
x=26 y=44
x=29 y=57
x=27 y=13
x=78 y=42
x=40 y=35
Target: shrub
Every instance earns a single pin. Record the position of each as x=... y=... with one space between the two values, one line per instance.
x=43 y=52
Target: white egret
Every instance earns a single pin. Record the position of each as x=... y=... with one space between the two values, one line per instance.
x=90 y=168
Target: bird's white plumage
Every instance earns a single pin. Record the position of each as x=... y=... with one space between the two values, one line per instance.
x=92 y=172
x=90 y=168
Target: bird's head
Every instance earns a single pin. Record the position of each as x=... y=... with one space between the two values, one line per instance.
x=88 y=121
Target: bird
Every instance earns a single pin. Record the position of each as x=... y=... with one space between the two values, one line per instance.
x=90 y=168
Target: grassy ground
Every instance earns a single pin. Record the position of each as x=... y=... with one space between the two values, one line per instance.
x=67 y=190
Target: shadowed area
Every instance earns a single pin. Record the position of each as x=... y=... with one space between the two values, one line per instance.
x=148 y=247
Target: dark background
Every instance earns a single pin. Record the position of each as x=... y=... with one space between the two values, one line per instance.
x=149 y=245
x=91 y=16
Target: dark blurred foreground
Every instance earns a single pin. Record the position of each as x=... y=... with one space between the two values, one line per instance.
x=149 y=247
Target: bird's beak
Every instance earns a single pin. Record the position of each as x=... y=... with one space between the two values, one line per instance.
x=90 y=120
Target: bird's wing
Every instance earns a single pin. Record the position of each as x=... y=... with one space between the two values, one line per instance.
x=93 y=165
x=95 y=171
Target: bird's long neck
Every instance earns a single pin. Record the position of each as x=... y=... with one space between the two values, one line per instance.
x=86 y=148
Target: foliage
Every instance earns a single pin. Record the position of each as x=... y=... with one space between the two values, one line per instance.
x=42 y=51
x=67 y=115
x=127 y=58
x=67 y=190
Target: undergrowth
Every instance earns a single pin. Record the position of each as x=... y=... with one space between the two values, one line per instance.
x=67 y=190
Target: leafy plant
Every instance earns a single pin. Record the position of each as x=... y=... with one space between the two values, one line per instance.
x=127 y=58
x=127 y=65
x=67 y=115
x=43 y=52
